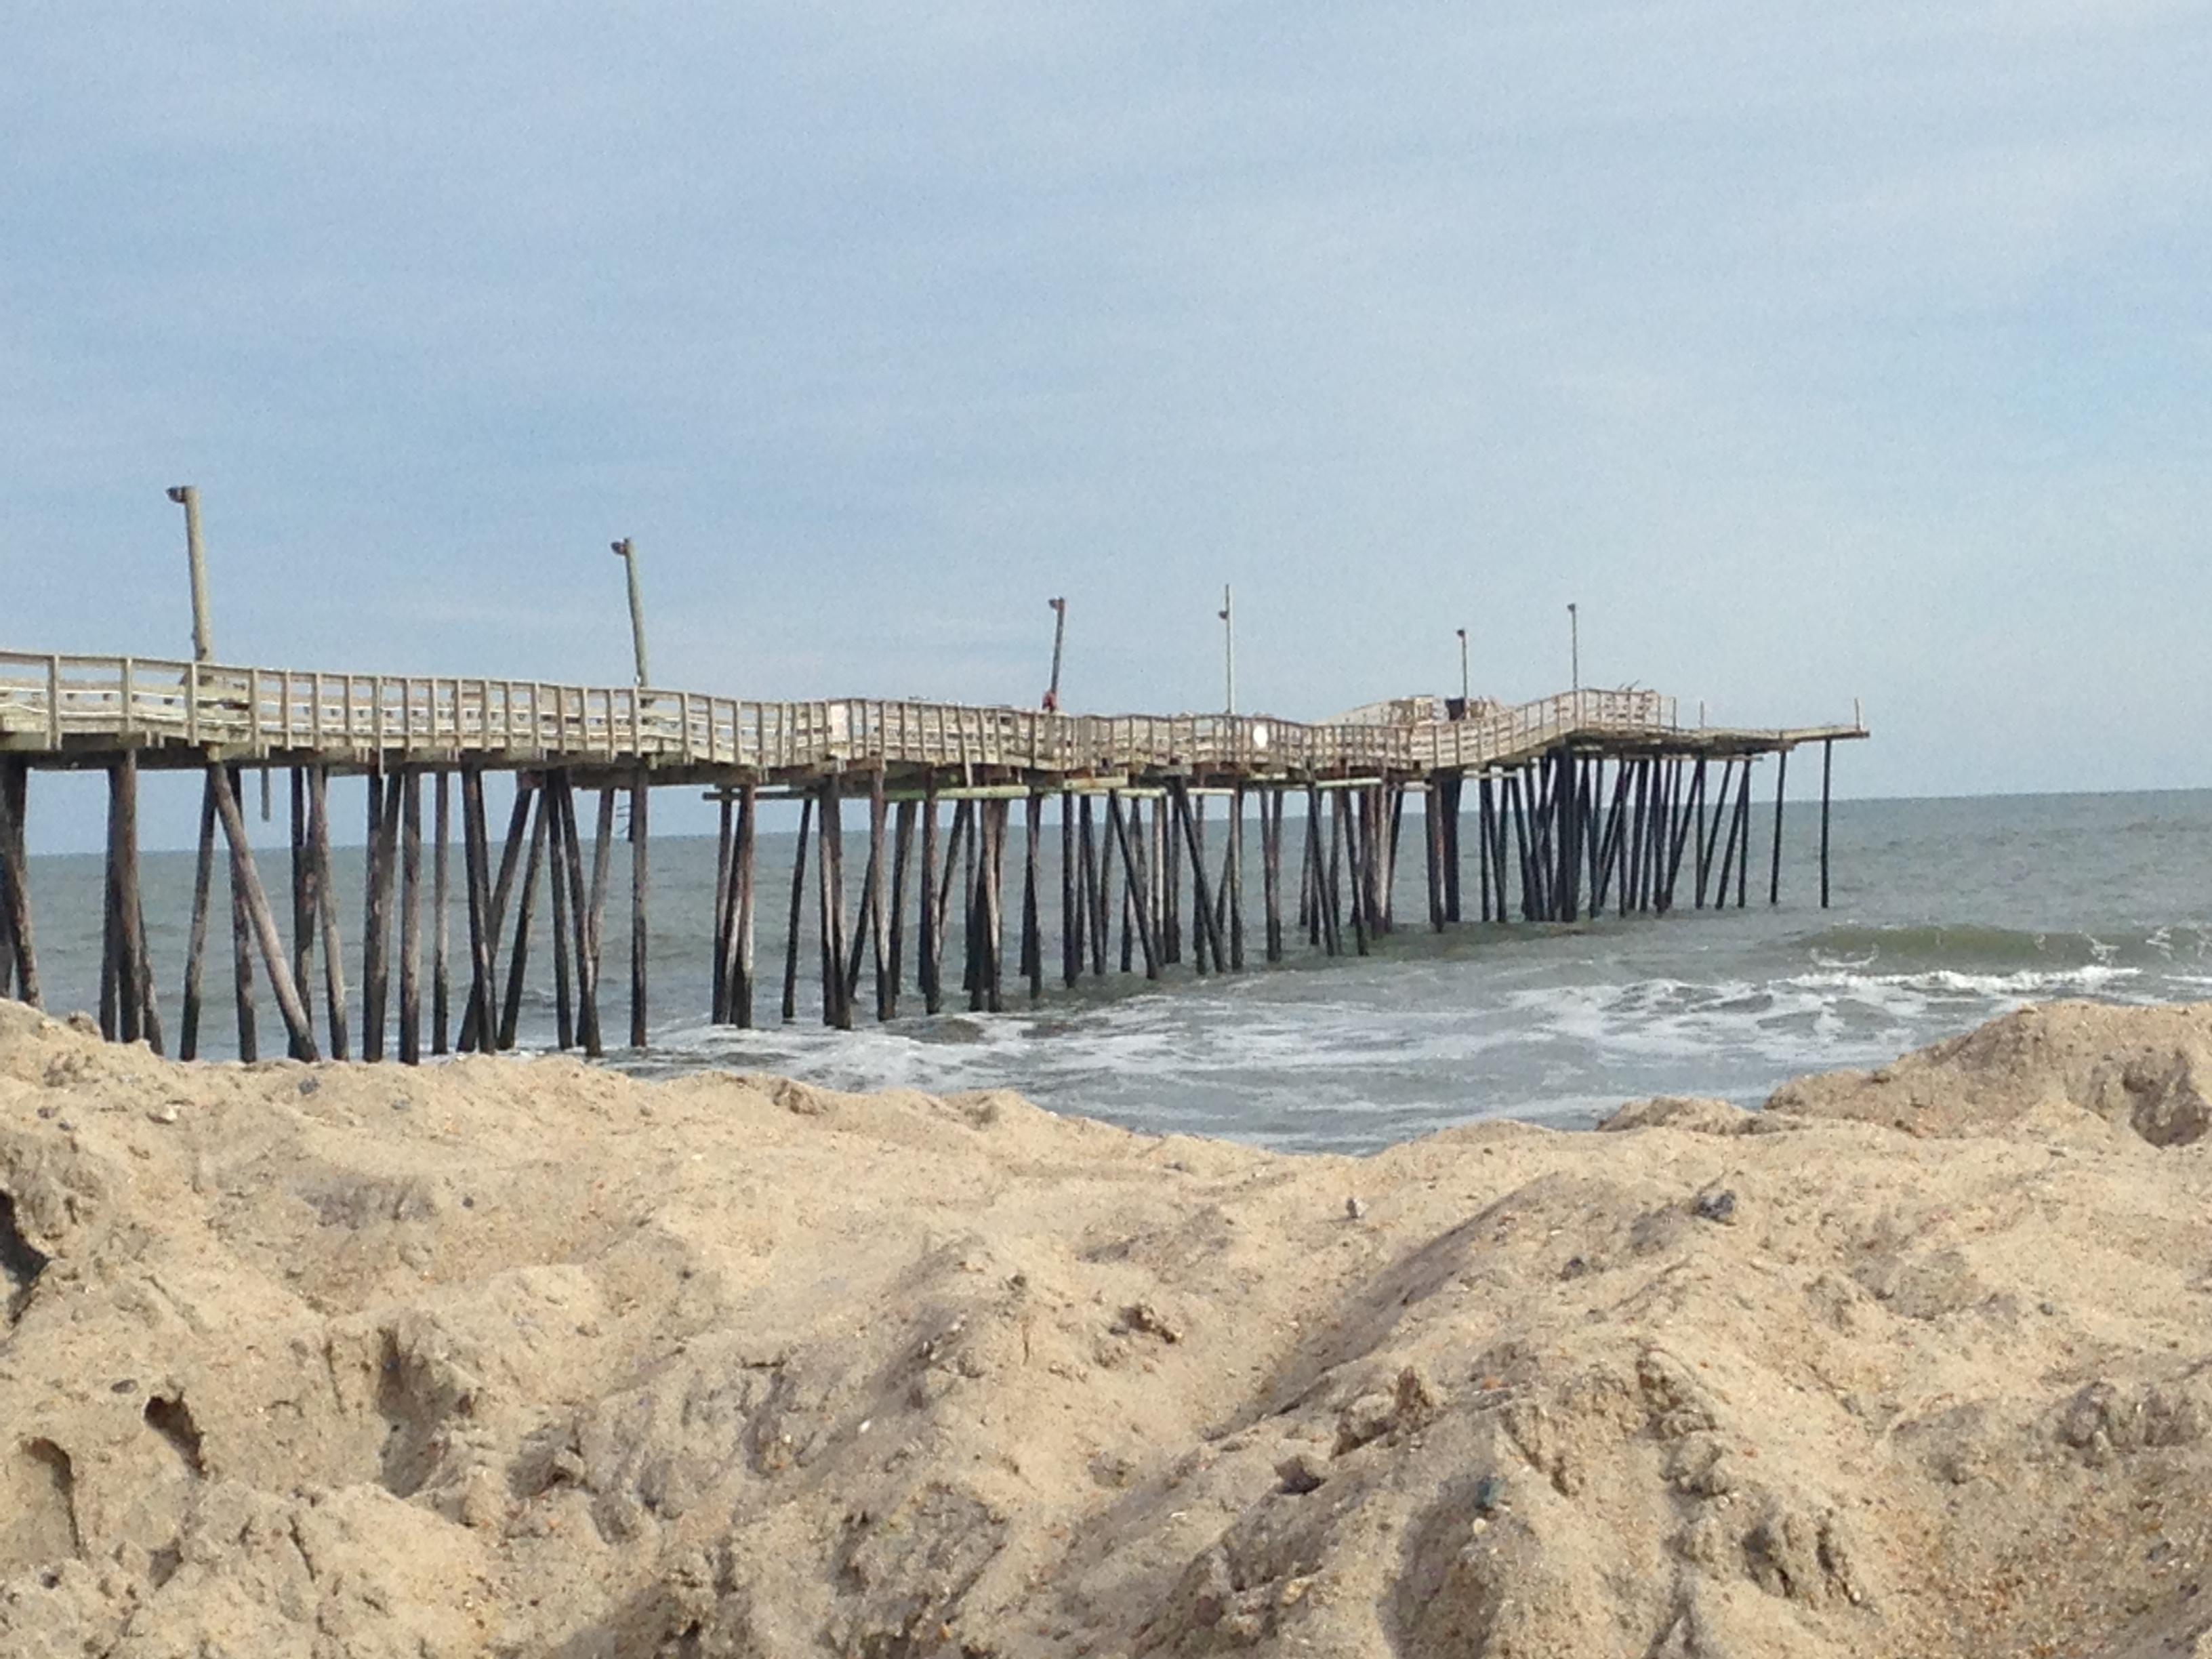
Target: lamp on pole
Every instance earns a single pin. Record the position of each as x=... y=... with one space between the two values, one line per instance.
x=1575 y=648
x=1465 y=697
x=1229 y=642
x=188 y=497
x=1059 y=639
x=627 y=552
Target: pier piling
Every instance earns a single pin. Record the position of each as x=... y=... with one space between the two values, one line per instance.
x=1827 y=773
x=1774 y=872
x=303 y=894
x=929 y=945
x=1071 y=912
x=188 y=1021
x=641 y=933
x=1233 y=879
x=718 y=996
x=879 y=902
x=224 y=781
x=1271 y=869
x=553 y=807
x=475 y=856
x=264 y=924
x=525 y=905
x=1032 y=935
x=376 y=914
x=410 y=918
x=442 y=972
x=1743 y=813
x=741 y=1008
x=336 y=1017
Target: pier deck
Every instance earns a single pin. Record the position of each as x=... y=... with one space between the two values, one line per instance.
x=1558 y=838
x=83 y=710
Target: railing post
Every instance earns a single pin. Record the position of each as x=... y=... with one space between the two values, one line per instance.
x=192 y=703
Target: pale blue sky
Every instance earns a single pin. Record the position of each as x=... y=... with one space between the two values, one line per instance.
x=1855 y=349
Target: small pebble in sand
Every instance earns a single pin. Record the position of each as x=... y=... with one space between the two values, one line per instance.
x=1716 y=1205
x=1143 y=1317
x=1354 y=1207
x=1301 y=1473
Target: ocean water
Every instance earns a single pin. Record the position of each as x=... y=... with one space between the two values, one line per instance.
x=1944 y=913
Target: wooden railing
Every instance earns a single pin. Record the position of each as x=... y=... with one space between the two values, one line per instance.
x=1531 y=727
x=51 y=703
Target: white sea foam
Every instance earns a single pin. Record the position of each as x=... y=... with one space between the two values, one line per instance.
x=1375 y=1051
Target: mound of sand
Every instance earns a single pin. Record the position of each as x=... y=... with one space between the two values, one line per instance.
x=527 y=1358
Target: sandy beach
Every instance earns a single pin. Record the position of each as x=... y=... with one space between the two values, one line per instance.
x=523 y=1358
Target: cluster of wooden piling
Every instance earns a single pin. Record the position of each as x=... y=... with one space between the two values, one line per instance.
x=1569 y=833
x=1122 y=855
x=1581 y=843
x=542 y=847
x=1573 y=840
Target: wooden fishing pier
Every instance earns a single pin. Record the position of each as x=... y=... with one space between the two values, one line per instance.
x=1584 y=801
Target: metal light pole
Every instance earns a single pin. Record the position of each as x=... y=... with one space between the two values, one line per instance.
x=627 y=554
x=188 y=497
x=1575 y=646
x=1229 y=642
x=1465 y=697
x=1059 y=640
